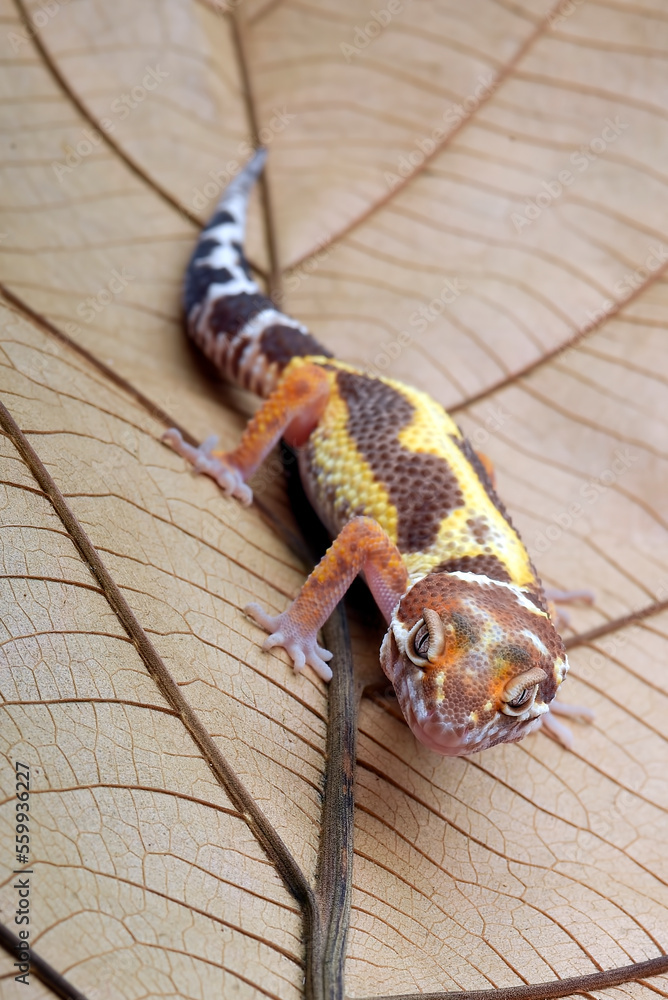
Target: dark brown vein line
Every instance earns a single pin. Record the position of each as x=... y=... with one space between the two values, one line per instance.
x=63 y=394
x=629 y=672
x=495 y=778
x=268 y=677
x=64 y=632
x=27 y=489
x=499 y=307
x=508 y=70
x=293 y=878
x=582 y=420
x=335 y=850
x=153 y=790
x=525 y=14
x=655 y=989
x=125 y=702
x=113 y=146
x=546 y=991
x=584 y=638
x=209 y=547
x=429 y=896
x=49 y=579
x=615 y=312
x=471 y=838
x=42 y=970
x=606 y=392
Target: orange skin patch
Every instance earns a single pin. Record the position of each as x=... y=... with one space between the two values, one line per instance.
x=292 y=411
x=361 y=546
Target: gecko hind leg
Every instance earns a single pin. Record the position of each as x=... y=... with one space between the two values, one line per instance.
x=552 y=727
x=291 y=410
x=554 y=596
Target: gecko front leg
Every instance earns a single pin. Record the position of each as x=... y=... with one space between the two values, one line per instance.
x=361 y=546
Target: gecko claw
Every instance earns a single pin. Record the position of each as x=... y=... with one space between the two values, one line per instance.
x=205 y=460
x=298 y=641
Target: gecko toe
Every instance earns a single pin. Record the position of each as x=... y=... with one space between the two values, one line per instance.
x=320 y=667
x=259 y=615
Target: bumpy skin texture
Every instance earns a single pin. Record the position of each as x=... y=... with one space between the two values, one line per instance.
x=471 y=651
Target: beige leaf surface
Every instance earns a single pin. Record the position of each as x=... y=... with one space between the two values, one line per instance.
x=471 y=197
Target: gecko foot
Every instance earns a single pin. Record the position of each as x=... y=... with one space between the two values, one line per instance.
x=297 y=639
x=208 y=461
x=556 y=729
x=554 y=596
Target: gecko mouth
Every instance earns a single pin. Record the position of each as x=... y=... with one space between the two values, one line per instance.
x=452 y=740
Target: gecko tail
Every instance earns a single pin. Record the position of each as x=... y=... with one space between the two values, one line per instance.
x=234 y=323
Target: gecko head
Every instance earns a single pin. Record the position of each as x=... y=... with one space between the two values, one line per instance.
x=474 y=662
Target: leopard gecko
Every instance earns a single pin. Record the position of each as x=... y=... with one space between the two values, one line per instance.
x=470 y=649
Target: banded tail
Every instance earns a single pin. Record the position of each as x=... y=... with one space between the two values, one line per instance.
x=239 y=328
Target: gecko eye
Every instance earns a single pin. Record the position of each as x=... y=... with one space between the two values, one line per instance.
x=520 y=692
x=426 y=640
x=421 y=642
x=525 y=696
